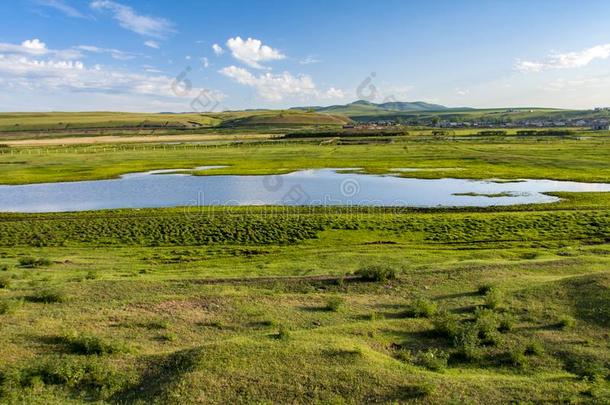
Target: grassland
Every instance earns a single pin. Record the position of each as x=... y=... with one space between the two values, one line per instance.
x=463 y=157
x=135 y=307
x=310 y=305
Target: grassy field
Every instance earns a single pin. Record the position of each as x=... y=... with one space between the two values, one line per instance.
x=232 y=305
x=310 y=305
x=506 y=158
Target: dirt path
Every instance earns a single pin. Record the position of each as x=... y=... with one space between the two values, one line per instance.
x=131 y=139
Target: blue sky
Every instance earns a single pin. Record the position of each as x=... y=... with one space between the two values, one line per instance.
x=217 y=55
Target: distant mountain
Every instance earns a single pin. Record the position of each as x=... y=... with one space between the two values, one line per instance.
x=366 y=107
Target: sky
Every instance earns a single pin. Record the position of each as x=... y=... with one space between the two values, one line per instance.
x=199 y=56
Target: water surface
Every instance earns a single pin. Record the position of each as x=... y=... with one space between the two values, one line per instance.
x=170 y=188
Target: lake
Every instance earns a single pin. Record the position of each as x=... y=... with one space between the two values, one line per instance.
x=170 y=188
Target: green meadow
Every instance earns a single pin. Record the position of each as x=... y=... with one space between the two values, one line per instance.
x=310 y=305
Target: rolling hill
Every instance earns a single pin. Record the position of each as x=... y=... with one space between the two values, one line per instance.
x=363 y=107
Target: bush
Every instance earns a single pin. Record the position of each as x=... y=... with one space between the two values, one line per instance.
x=422 y=308
x=517 y=356
x=566 y=322
x=31 y=262
x=484 y=289
x=534 y=348
x=333 y=304
x=413 y=391
x=88 y=345
x=376 y=273
x=405 y=355
x=283 y=333
x=4 y=267
x=587 y=367
x=10 y=306
x=447 y=325
x=48 y=296
x=487 y=325
x=468 y=344
x=507 y=323
x=433 y=359
x=80 y=374
x=5 y=282
x=494 y=298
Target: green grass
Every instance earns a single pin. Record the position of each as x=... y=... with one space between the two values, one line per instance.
x=338 y=305
x=561 y=159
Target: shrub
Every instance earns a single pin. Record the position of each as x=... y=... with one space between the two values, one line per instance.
x=468 y=344
x=376 y=273
x=487 y=324
x=88 y=345
x=31 y=262
x=5 y=282
x=413 y=391
x=517 y=356
x=494 y=298
x=48 y=296
x=168 y=337
x=80 y=374
x=156 y=324
x=91 y=275
x=4 y=267
x=405 y=355
x=422 y=308
x=587 y=367
x=283 y=333
x=333 y=304
x=484 y=289
x=566 y=322
x=534 y=348
x=10 y=306
x=447 y=325
x=433 y=359
x=507 y=323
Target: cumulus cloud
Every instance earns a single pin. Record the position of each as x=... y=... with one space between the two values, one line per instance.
x=568 y=60
x=252 y=51
x=217 y=49
x=36 y=47
x=333 y=93
x=205 y=62
x=47 y=76
x=29 y=46
x=152 y=44
x=62 y=7
x=129 y=19
x=275 y=87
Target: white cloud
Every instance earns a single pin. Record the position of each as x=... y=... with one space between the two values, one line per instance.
x=568 y=60
x=276 y=87
x=61 y=6
x=30 y=46
x=462 y=92
x=252 y=51
x=333 y=93
x=34 y=44
x=114 y=53
x=309 y=60
x=205 y=62
x=152 y=44
x=129 y=19
x=23 y=72
x=36 y=47
x=217 y=49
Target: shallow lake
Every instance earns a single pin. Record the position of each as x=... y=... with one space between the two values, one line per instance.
x=170 y=188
